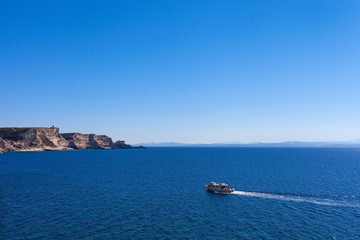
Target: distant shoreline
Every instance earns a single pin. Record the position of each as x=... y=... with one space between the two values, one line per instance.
x=295 y=144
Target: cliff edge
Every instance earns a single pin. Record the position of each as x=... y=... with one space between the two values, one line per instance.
x=50 y=139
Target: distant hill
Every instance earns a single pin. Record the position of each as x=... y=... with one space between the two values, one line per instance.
x=338 y=144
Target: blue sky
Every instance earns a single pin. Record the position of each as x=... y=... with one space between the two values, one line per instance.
x=184 y=71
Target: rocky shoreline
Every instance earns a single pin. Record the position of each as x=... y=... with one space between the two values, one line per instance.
x=50 y=139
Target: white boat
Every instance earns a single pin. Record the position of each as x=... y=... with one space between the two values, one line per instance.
x=219 y=188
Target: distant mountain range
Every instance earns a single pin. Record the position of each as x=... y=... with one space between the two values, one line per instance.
x=335 y=144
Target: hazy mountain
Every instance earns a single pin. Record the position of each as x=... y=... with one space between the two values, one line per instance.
x=352 y=143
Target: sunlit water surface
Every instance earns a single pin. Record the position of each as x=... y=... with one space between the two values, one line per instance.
x=159 y=193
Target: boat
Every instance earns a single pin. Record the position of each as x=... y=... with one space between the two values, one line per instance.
x=219 y=188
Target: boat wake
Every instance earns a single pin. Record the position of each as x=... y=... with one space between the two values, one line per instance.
x=319 y=201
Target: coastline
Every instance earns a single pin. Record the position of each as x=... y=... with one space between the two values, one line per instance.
x=40 y=139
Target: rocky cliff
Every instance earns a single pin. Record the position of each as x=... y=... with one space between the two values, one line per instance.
x=122 y=144
x=88 y=141
x=50 y=139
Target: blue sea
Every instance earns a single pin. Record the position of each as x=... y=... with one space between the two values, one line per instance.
x=159 y=193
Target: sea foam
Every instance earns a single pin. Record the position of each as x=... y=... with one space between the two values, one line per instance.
x=319 y=201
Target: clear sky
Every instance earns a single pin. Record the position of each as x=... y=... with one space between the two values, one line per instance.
x=186 y=71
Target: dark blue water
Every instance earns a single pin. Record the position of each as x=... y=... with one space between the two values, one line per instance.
x=159 y=193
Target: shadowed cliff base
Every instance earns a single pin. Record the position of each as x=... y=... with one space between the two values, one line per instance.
x=50 y=139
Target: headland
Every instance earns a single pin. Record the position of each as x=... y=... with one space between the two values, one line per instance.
x=34 y=139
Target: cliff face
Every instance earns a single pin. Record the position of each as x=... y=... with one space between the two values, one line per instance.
x=49 y=139
x=88 y=141
x=5 y=145
x=32 y=139
x=122 y=144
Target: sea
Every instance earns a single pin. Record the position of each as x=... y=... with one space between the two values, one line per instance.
x=159 y=193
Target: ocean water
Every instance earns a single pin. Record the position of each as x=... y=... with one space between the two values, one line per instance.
x=159 y=193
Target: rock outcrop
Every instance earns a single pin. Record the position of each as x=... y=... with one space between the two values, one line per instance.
x=122 y=144
x=50 y=139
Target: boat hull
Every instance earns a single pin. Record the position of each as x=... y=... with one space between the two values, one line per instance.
x=220 y=190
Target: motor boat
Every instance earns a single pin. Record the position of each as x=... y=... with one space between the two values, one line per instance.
x=219 y=188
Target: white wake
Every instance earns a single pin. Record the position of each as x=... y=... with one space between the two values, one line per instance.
x=326 y=202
